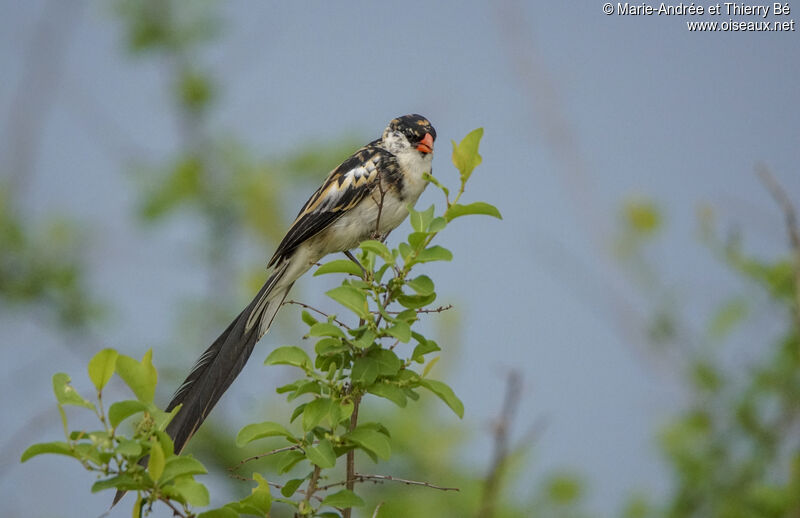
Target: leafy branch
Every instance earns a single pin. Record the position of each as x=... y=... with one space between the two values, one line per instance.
x=371 y=348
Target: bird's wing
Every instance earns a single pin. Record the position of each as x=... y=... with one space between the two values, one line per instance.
x=344 y=188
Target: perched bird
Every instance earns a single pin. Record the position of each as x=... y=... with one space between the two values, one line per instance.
x=366 y=196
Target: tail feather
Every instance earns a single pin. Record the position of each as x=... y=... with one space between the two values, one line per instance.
x=221 y=363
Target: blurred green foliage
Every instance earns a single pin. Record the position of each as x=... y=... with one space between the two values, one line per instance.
x=733 y=452
x=44 y=264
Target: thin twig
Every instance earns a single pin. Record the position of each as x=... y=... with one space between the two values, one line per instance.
x=361 y=477
x=261 y=455
x=435 y=310
x=493 y=480
x=272 y=484
x=306 y=306
x=377 y=508
x=782 y=199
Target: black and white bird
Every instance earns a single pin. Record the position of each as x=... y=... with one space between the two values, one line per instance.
x=366 y=196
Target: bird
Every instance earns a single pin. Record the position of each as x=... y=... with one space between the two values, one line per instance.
x=366 y=196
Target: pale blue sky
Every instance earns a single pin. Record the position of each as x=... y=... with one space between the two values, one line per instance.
x=581 y=110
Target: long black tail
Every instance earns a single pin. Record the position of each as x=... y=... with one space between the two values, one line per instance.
x=219 y=365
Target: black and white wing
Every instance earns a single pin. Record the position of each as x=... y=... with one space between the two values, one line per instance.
x=345 y=187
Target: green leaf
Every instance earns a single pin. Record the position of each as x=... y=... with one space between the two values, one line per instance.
x=370 y=440
x=137 y=507
x=345 y=410
x=288 y=460
x=465 y=153
x=377 y=248
x=260 y=497
x=308 y=387
x=58 y=448
x=446 y=394
x=388 y=362
x=326 y=329
x=340 y=266
x=66 y=394
x=407 y=315
x=155 y=464
x=177 y=466
x=289 y=355
x=437 y=224
x=365 y=370
x=400 y=330
x=297 y=411
x=366 y=339
x=429 y=366
x=291 y=486
x=221 y=512
x=192 y=491
x=329 y=346
x=128 y=448
x=343 y=499
x=101 y=367
x=141 y=377
x=422 y=285
x=256 y=431
x=315 y=411
x=391 y=392
x=417 y=240
x=420 y=220
x=424 y=347
x=415 y=301
x=87 y=451
x=322 y=455
x=457 y=210
x=121 y=410
x=351 y=298
x=124 y=482
x=405 y=250
x=434 y=253
x=307 y=318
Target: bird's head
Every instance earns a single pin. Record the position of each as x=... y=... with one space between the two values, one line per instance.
x=409 y=133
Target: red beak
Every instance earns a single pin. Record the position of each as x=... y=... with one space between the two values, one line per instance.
x=426 y=144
